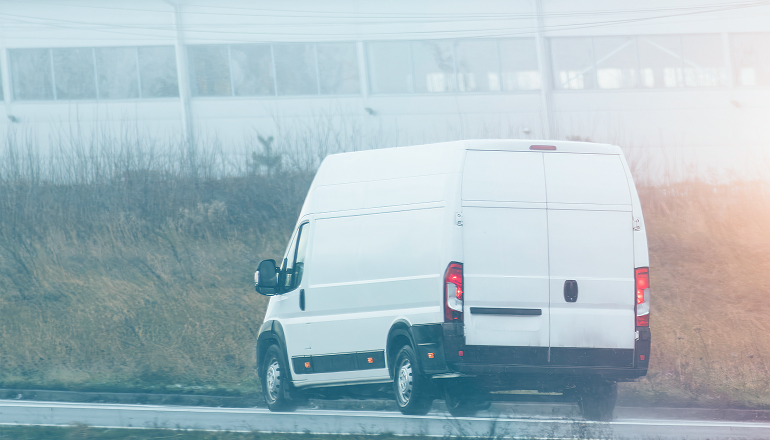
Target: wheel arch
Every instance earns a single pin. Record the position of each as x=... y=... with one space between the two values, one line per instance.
x=271 y=333
x=400 y=334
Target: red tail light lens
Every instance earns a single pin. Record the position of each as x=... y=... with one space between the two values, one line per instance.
x=642 y=297
x=453 y=293
x=642 y=283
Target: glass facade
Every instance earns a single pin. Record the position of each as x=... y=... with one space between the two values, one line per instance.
x=446 y=66
x=209 y=70
x=31 y=74
x=478 y=66
x=751 y=59
x=295 y=69
x=518 y=65
x=93 y=73
x=117 y=73
x=659 y=61
x=157 y=72
x=392 y=67
x=338 y=69
x=251 y=67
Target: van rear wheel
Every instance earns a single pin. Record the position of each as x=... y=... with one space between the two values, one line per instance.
x=597 y=400
x=465 y=399
x=412 y=389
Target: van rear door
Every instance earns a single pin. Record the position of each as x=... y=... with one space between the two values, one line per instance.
x=590 y=251
x=505 y=240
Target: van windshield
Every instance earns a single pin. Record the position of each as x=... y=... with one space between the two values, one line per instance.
x=294 y=260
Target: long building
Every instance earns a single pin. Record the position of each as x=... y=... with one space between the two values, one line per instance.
x=675 y=80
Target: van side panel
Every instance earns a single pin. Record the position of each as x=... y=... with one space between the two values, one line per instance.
x=591 y=243
x=375 y=260
x=362 y=280
x=641 y=255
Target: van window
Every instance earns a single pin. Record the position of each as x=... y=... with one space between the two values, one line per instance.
x=299 y=263
x=294 y=260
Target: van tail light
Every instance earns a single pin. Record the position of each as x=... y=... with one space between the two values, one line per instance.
x=453 y=293
x=642 y=297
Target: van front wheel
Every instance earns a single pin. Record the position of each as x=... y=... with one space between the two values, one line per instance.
x=275 y=381
x=411 y=388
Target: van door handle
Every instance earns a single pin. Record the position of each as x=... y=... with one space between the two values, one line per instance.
x=570 y=291
x=302 y=299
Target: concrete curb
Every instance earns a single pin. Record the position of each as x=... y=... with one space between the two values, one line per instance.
x=135 y=398
x=508 y=405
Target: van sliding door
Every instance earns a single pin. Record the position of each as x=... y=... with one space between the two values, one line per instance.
x=505 y=246
x=590 y=253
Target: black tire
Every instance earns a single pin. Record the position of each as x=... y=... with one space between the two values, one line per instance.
x=412 y=389
x=597 y=400
x=275 y=381
x=465 y=399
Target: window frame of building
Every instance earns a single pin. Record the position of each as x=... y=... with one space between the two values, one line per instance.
x=370 y=80
x=722 y=65
x=93 y=69
x=313 y=70
x=143 y=81
x=236 y=87
x=412 y=85
x=738 y=80
x=201 y=85
x=48 y=61
x=681 y=83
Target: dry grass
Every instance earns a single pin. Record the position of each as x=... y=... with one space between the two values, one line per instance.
x=124 y=309
x=138 y=305
x=710 y=256
x=123 y=269
x=118 y=272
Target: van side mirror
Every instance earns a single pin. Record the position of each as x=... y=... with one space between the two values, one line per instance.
x=266 y=278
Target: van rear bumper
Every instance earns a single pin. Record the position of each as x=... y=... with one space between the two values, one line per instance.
x=609 y=373
x=442 y=349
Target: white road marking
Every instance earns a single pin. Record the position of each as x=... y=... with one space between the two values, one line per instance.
x=368 y=414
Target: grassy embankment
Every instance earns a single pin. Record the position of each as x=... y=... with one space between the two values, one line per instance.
x=140 y=278
x=710 y=256
x=134 y=270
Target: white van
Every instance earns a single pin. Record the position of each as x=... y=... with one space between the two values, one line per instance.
x=455 y=269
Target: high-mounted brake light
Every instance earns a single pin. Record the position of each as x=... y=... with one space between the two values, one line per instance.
x=453 y=293
x=642 y=297
x=542 y=147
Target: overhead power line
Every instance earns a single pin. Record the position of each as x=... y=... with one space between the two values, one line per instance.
x=139 y=30
x=315 y=14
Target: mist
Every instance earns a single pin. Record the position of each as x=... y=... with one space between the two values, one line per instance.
x=153 y=152
x=681 y=88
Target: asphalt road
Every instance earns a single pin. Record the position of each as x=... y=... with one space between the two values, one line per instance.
x=527 y=421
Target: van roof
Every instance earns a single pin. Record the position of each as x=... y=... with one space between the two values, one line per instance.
x=438 y=158
x=525 y=144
